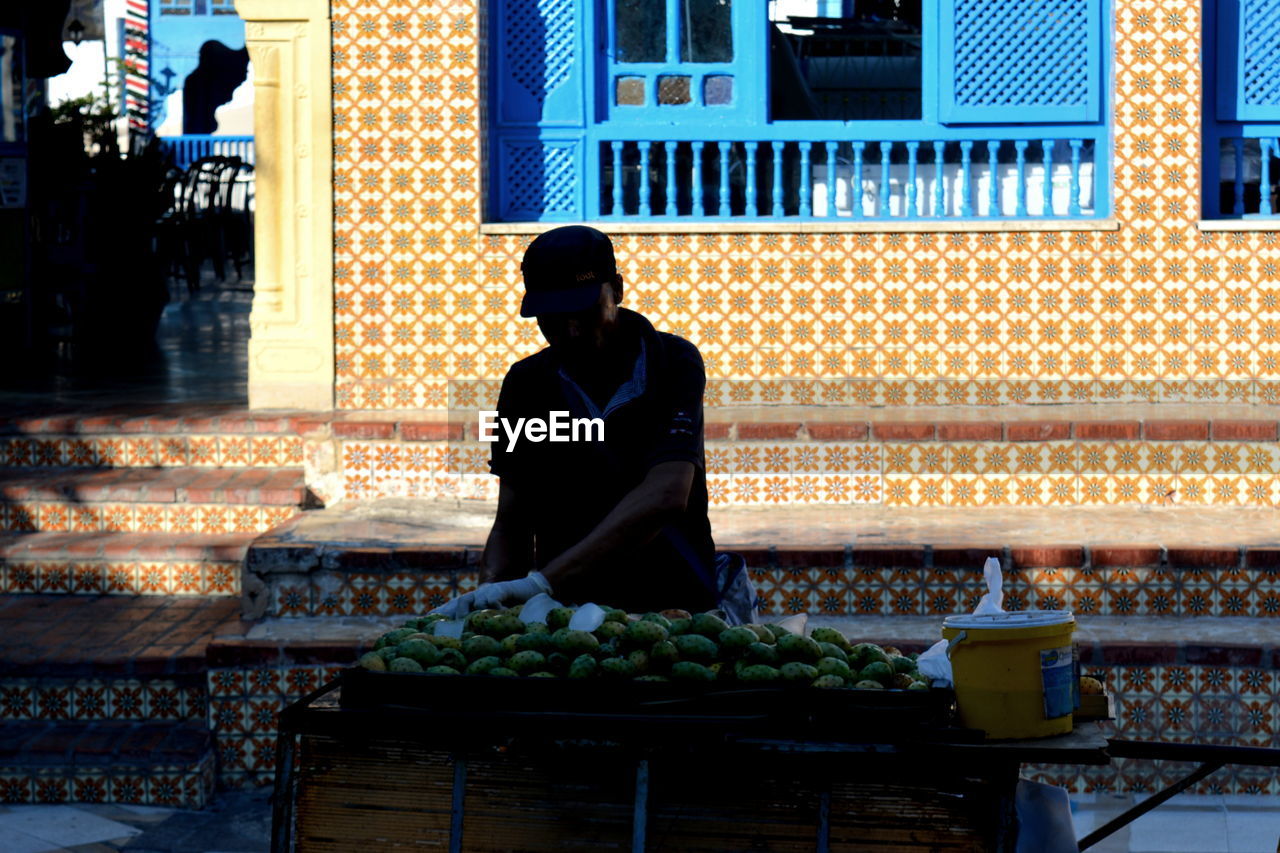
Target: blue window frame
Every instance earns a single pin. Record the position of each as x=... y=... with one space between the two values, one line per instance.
x=1242 y=108
x=714 y=110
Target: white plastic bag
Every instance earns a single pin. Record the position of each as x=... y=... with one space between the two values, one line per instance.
x=993 y=600
x=934 y=663
x=537 y=608
x=588 y=617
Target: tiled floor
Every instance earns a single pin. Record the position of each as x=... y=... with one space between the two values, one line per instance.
x=240 y=823
x=201 y=355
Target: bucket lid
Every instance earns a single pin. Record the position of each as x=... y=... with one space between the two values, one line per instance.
x=1011 y=619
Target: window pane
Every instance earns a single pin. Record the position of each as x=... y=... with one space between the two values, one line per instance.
x=717 y=90
x=629 y=91
x=674 y=90
x=641 y=30
x=707 y=31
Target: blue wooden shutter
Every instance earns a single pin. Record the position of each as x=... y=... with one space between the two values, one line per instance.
x=537 y=111
x=1248 y=60
x=1019 y=61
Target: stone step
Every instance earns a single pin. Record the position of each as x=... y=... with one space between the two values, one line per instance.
x=404 y=556
x=107 y=761
x=123 y=563
x=149 y=500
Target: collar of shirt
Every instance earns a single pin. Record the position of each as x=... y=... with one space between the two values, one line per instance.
x=630 y=390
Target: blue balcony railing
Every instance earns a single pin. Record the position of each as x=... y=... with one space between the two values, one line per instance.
x=1248 y=176
x=191 y=147
x=642 y=177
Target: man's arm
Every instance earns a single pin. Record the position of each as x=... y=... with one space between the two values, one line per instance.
x=638 y=517
x=508 y=552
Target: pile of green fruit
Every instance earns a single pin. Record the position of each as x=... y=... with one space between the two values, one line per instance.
x=670 y=646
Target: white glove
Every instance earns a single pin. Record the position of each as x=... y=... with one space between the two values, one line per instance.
x=493 y=594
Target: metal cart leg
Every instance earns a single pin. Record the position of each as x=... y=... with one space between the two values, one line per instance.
x=824 y=822
x=283 y=794
x=641 y=817
x=1148 y=804
x=455 y=809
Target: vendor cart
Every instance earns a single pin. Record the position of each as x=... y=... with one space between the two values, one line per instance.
x=480 y=770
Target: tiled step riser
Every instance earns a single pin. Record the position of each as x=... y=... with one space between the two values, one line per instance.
x=99 y=699
x=169 y=785
x=164 y=451
x=141 y=517
x=297 y=582
x=121 y=578
x=795 y=472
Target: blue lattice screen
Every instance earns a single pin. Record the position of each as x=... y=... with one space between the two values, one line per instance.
x=1012 y=61
x=540 y=179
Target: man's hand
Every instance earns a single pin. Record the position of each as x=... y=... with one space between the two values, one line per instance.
x=493 y=594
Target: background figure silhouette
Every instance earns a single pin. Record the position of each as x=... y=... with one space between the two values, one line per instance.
x=220 y=71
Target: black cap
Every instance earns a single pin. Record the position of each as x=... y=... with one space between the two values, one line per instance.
x=563 y=270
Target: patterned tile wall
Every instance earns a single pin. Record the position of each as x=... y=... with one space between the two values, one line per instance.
x=101 y=699
x=151 y=451
x=425 y=305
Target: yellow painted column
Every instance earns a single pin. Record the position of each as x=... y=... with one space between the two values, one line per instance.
x=291 y=343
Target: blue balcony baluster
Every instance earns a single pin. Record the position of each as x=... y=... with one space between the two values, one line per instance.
x=939 y=203
x=645 y=208
x=670 y=149
x=1020 y=150
x=855 y=181
x=724 y=178
x=831 y=180
x=617 y=207
x=913 y=149
x=1073 y=208
x=753 y=208
x=1046 y=151
x=697 y=190
x=1238 y=207
x=1264 y=185
x=886 y=151
x=966 y=179
x=806 y=183
x=775 y=191
x=993 y=185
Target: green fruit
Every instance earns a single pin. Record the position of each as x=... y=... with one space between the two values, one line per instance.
x=609 y=630
x=777 y=630
x=709 y=625
x=535 y=643
x=391 y=638
x=574 y=643
x=536 y=628
x=831 y=650
x=502 y=672
x=663 y=654
x=878 y=671
x=508 y=646
x=529 y=661
x=680 y=626
x=419 y=650
x=759 y=652
x=652 y=678
x=503 y=625
x=609 y=649
x=372 y=661
x=657 y=619
x=404 y=665
x=559 y=618
x=640 y=660
x=758 y=674
x=584 y=666
x=796 y=647
x=387 y=653
x=796 y=672
x=615 y=615
x=476 y=620
x=558 y=662
x=481 y=646
x=867 y=653
x=828 y=682
x=482 y=666
x=918 y=685
x=467 y=635
x=695 y=647
x=617 y=668
x=446 y=642
x=868 y=685
x=836 y=667
x=901 y=681
x=825 y=634
x=689 y=671
x=902 y=664
x=446 y=670
x=452 y=658
x=763 y=634
x=736 y=640
x=543 y=674
x=644 y=633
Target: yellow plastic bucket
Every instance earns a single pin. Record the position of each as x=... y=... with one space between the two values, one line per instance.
x=1014 y=672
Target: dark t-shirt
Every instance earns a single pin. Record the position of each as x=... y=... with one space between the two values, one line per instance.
x=569 y=487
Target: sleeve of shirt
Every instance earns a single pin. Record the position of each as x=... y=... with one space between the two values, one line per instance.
x=505 y=463
x=680 y=421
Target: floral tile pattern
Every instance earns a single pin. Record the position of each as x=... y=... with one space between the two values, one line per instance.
x=104 y=577
x=150 y=450
x=100 y=699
